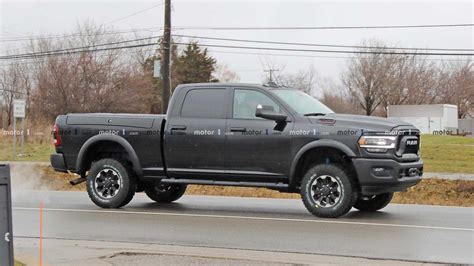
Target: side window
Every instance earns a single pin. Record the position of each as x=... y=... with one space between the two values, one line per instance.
x=204 y=103
x=246 y=101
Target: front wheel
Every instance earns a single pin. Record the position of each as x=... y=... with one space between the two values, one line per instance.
x=327 y=191
x=373 y=203
x=164 y=193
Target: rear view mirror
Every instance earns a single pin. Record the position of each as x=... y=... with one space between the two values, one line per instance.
x=267 y=112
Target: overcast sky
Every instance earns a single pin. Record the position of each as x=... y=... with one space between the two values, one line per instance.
x=24 y=18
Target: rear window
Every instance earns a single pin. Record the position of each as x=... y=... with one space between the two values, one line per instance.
x=204 y=103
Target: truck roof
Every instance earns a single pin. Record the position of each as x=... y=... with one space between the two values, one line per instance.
x=225 y=84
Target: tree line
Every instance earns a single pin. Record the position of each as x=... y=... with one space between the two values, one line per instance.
x=373 y=81
x=122 y=80
x=108 y=81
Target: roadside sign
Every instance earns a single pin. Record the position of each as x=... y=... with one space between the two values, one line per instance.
x=157 y=69
x=19 y=107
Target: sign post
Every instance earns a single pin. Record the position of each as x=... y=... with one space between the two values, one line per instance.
x=19 y=111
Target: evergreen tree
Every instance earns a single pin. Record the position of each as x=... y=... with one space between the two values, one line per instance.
x=194 y=65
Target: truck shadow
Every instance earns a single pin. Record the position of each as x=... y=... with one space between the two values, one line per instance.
x=251 y=210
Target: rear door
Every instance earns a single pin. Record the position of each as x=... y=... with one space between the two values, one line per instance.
x=194 y=138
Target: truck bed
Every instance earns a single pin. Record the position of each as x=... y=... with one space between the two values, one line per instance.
x=142 y=131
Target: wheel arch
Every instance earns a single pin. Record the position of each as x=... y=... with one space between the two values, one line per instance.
x=323 y=144
x=84 y=161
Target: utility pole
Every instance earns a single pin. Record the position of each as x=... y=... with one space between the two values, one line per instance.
x=270 y=71
x=166 y=51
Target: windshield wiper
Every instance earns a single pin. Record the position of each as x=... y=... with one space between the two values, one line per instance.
x=315 y=114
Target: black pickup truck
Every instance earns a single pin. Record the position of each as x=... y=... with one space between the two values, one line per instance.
x=241 y=135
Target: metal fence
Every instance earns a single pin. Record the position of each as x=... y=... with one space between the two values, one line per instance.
x=6 y=237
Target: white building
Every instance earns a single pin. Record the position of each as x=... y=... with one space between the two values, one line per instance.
x=428 y=118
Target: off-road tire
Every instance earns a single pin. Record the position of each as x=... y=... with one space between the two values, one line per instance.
x=311 y=181
x=164 y=193
x=127 y=183
x=373 y=203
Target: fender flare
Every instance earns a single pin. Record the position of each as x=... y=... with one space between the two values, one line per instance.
x=316 y=144
x=113 y=138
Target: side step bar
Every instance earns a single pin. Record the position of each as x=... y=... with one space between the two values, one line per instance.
x=224 y=183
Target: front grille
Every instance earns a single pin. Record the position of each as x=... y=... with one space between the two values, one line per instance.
x=412 y=149
x=408 y=142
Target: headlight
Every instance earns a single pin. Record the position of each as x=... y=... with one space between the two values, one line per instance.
x=377 y=143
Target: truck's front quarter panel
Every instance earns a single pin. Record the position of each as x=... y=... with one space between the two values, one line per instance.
x=395 y=170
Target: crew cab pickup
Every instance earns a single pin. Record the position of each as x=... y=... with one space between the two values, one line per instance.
x=241 y=135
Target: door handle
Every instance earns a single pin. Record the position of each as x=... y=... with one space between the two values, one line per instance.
x=178 y=127
x=238 y=129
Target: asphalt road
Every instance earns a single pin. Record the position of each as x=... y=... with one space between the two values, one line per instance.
x=400 y=232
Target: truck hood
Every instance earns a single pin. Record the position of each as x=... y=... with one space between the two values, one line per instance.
x=371 y=123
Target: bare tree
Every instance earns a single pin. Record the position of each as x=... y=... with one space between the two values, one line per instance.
x=367 y=76
x=457 y=86
x=305 y=80
x=224 y=74
x=106 y=81
x=14 y=84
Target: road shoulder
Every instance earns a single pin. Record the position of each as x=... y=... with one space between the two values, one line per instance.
x=81 y=252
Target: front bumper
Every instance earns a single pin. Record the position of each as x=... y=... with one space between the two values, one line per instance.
x=58 y=163
x=378 y=176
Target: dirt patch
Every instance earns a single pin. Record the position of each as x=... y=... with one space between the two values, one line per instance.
x=428 y=191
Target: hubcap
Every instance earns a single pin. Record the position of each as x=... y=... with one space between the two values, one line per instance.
x=107 y=183
x=326 y=191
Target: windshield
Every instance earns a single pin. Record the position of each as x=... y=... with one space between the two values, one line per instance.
x=302 y=103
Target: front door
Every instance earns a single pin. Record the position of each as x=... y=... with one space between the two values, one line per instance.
x=256 y=147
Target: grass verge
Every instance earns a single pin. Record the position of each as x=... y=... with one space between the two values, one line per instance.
x=37 y=152
x=449 y=154
x=428 y=191
x=17 y=263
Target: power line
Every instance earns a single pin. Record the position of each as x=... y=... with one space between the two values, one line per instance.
x=64 y=51
x=74 y=48
x=327 y=56
x=133 y=14
x=332 y=51
x=79 y=34
x=328 y=27
x=245 y=53
x=60 y=36
x=79 y=51
x=154 y=29
x=321 y=45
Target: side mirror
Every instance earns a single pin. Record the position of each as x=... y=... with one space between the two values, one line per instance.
x=267 y=112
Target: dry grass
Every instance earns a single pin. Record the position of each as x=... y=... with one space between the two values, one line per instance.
x=428 y=191
x=59 y=181
x=439 y=192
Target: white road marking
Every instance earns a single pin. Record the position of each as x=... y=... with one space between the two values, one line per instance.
x=249 y=218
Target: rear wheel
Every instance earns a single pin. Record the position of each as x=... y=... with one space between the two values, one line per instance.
x=109 y=184
x=164 y=193
x=373 y=203
x=327 y=191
